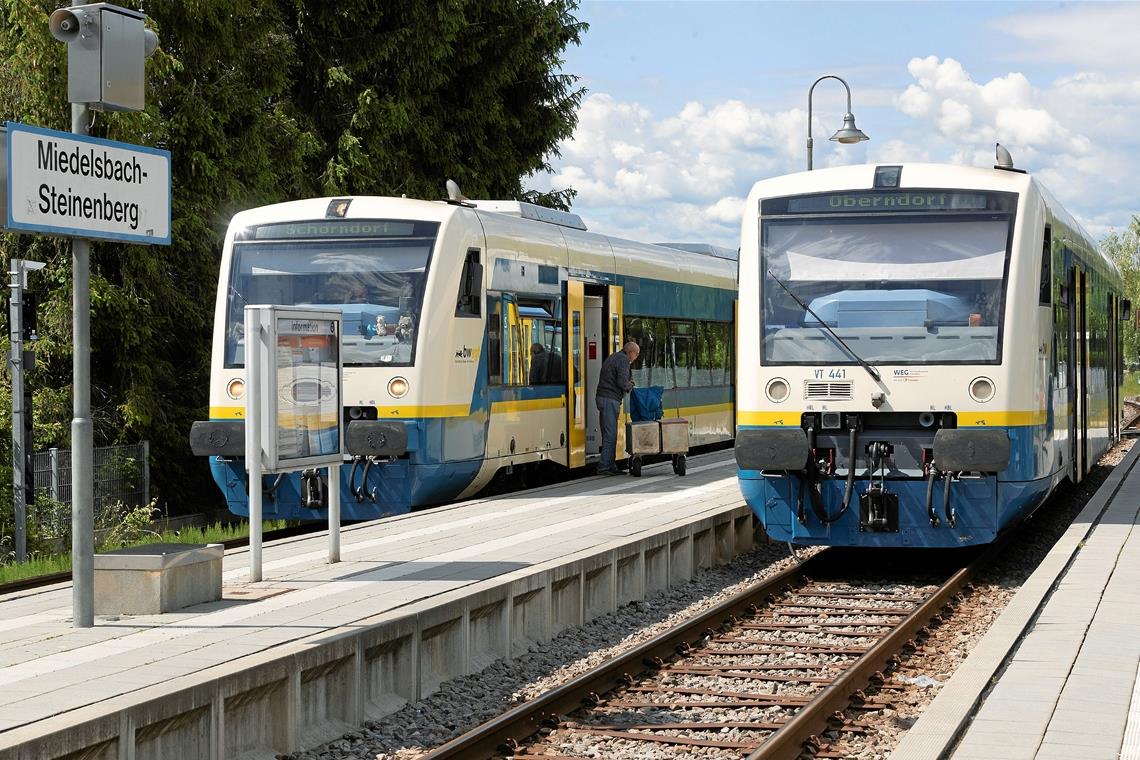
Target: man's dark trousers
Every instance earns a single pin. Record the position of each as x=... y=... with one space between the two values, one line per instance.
x=608 y=409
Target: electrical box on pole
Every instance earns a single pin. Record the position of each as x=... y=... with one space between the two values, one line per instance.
x=106 y=46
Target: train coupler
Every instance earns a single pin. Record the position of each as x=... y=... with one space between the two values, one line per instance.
x=878 y=507
x=314 y=493
x=879 y=510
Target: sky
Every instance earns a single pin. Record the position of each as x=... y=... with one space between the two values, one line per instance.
x=688 y=104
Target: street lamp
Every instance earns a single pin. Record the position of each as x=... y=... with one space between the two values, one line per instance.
x=848 y=133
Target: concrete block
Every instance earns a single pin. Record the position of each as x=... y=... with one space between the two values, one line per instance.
x=681 y=561
x=656 y=568
x=704 y=549
x=327 y=706
x=443 y=652
x=150 y=580
x=566 y=599
x=488 y=633
x=257 y=721
x=184 y=735
x=530 y=613
x=629 y=573
x=598 y=589
x=391 y=667
x=724 y=536
x=745 y=535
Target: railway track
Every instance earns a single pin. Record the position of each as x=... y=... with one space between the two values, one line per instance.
x=762 y=675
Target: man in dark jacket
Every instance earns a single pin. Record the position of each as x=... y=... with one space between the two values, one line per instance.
x=613 y=383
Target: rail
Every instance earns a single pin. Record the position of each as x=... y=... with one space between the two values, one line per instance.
x=787 y=738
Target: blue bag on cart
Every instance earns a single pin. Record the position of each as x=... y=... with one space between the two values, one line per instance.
x=645 y=404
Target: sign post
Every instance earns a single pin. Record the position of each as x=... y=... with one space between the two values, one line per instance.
x=294 y=415
x=84 y=188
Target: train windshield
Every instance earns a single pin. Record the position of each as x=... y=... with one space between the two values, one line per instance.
x=374 y=271
x=899 y=281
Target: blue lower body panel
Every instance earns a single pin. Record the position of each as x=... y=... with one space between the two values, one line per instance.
x=399 y=486
x=983 y=507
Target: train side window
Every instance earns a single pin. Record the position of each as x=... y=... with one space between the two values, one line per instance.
x=683 y=339
x=637 y=331
x=1046 y=296
x=494 y=341
x=542 y=339
x=470 y=286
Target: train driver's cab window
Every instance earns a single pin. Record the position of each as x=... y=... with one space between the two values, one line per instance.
x=374 y=271
x=885 y=277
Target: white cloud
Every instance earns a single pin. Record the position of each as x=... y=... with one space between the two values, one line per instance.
x=682 y=175
x=1089 y=35
x=1074 y=134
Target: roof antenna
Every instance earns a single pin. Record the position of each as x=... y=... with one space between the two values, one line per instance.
x=1004 y=160
x=455 y=195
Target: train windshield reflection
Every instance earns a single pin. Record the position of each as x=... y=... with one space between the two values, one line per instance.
x=910 y=290
x=377 y=284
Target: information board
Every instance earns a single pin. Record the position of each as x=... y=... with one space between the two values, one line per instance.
x=296 y=359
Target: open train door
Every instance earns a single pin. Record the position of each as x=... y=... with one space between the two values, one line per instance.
x=573 y=296
x=617 y=341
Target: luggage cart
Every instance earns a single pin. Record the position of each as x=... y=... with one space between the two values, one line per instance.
x=654 y=436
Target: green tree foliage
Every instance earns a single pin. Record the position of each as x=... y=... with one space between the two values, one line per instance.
x=259 y=102
x=1124 y=249
x=405 y=94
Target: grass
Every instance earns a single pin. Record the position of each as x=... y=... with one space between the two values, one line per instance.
x=1131 y=384
x=209 y=534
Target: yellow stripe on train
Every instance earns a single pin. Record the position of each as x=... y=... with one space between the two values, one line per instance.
x=965 y=419
x=498 y=407
x=382 y=412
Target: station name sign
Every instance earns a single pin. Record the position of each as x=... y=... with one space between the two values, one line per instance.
x=65 y=184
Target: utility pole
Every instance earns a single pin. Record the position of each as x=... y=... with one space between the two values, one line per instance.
x=18 y=280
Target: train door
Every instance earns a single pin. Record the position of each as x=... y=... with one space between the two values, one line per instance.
x=1078 y=393
x=615 y=309
x=1110 y=369
x=595 y=355
x=574 y=350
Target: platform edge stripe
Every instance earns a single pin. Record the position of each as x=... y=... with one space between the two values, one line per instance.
x=944 y=722
x=1130 y=747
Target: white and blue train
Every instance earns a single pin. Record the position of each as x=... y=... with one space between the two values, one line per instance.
x=925 y=353
x=474 y=332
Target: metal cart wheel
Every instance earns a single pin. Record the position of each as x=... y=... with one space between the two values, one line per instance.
x=679 y=464
x=635 y=467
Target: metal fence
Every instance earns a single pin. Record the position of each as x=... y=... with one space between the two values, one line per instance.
x=122 y=475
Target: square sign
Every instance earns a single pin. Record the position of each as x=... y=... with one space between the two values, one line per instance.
x=64 y=184
x=295 y=358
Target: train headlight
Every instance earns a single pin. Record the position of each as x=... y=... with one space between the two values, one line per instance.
x=235 y=388
x=777 y=389
x=982 y=389
x=397 y=387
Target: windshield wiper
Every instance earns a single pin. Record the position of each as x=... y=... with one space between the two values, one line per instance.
x=870 y=370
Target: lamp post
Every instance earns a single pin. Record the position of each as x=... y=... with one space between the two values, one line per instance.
x=848 y=133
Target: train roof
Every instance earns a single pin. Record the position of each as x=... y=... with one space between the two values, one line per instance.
x=924 y=176
x=719 y=251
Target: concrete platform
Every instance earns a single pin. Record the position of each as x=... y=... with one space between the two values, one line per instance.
x=1056 y=676
x=315 y=649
